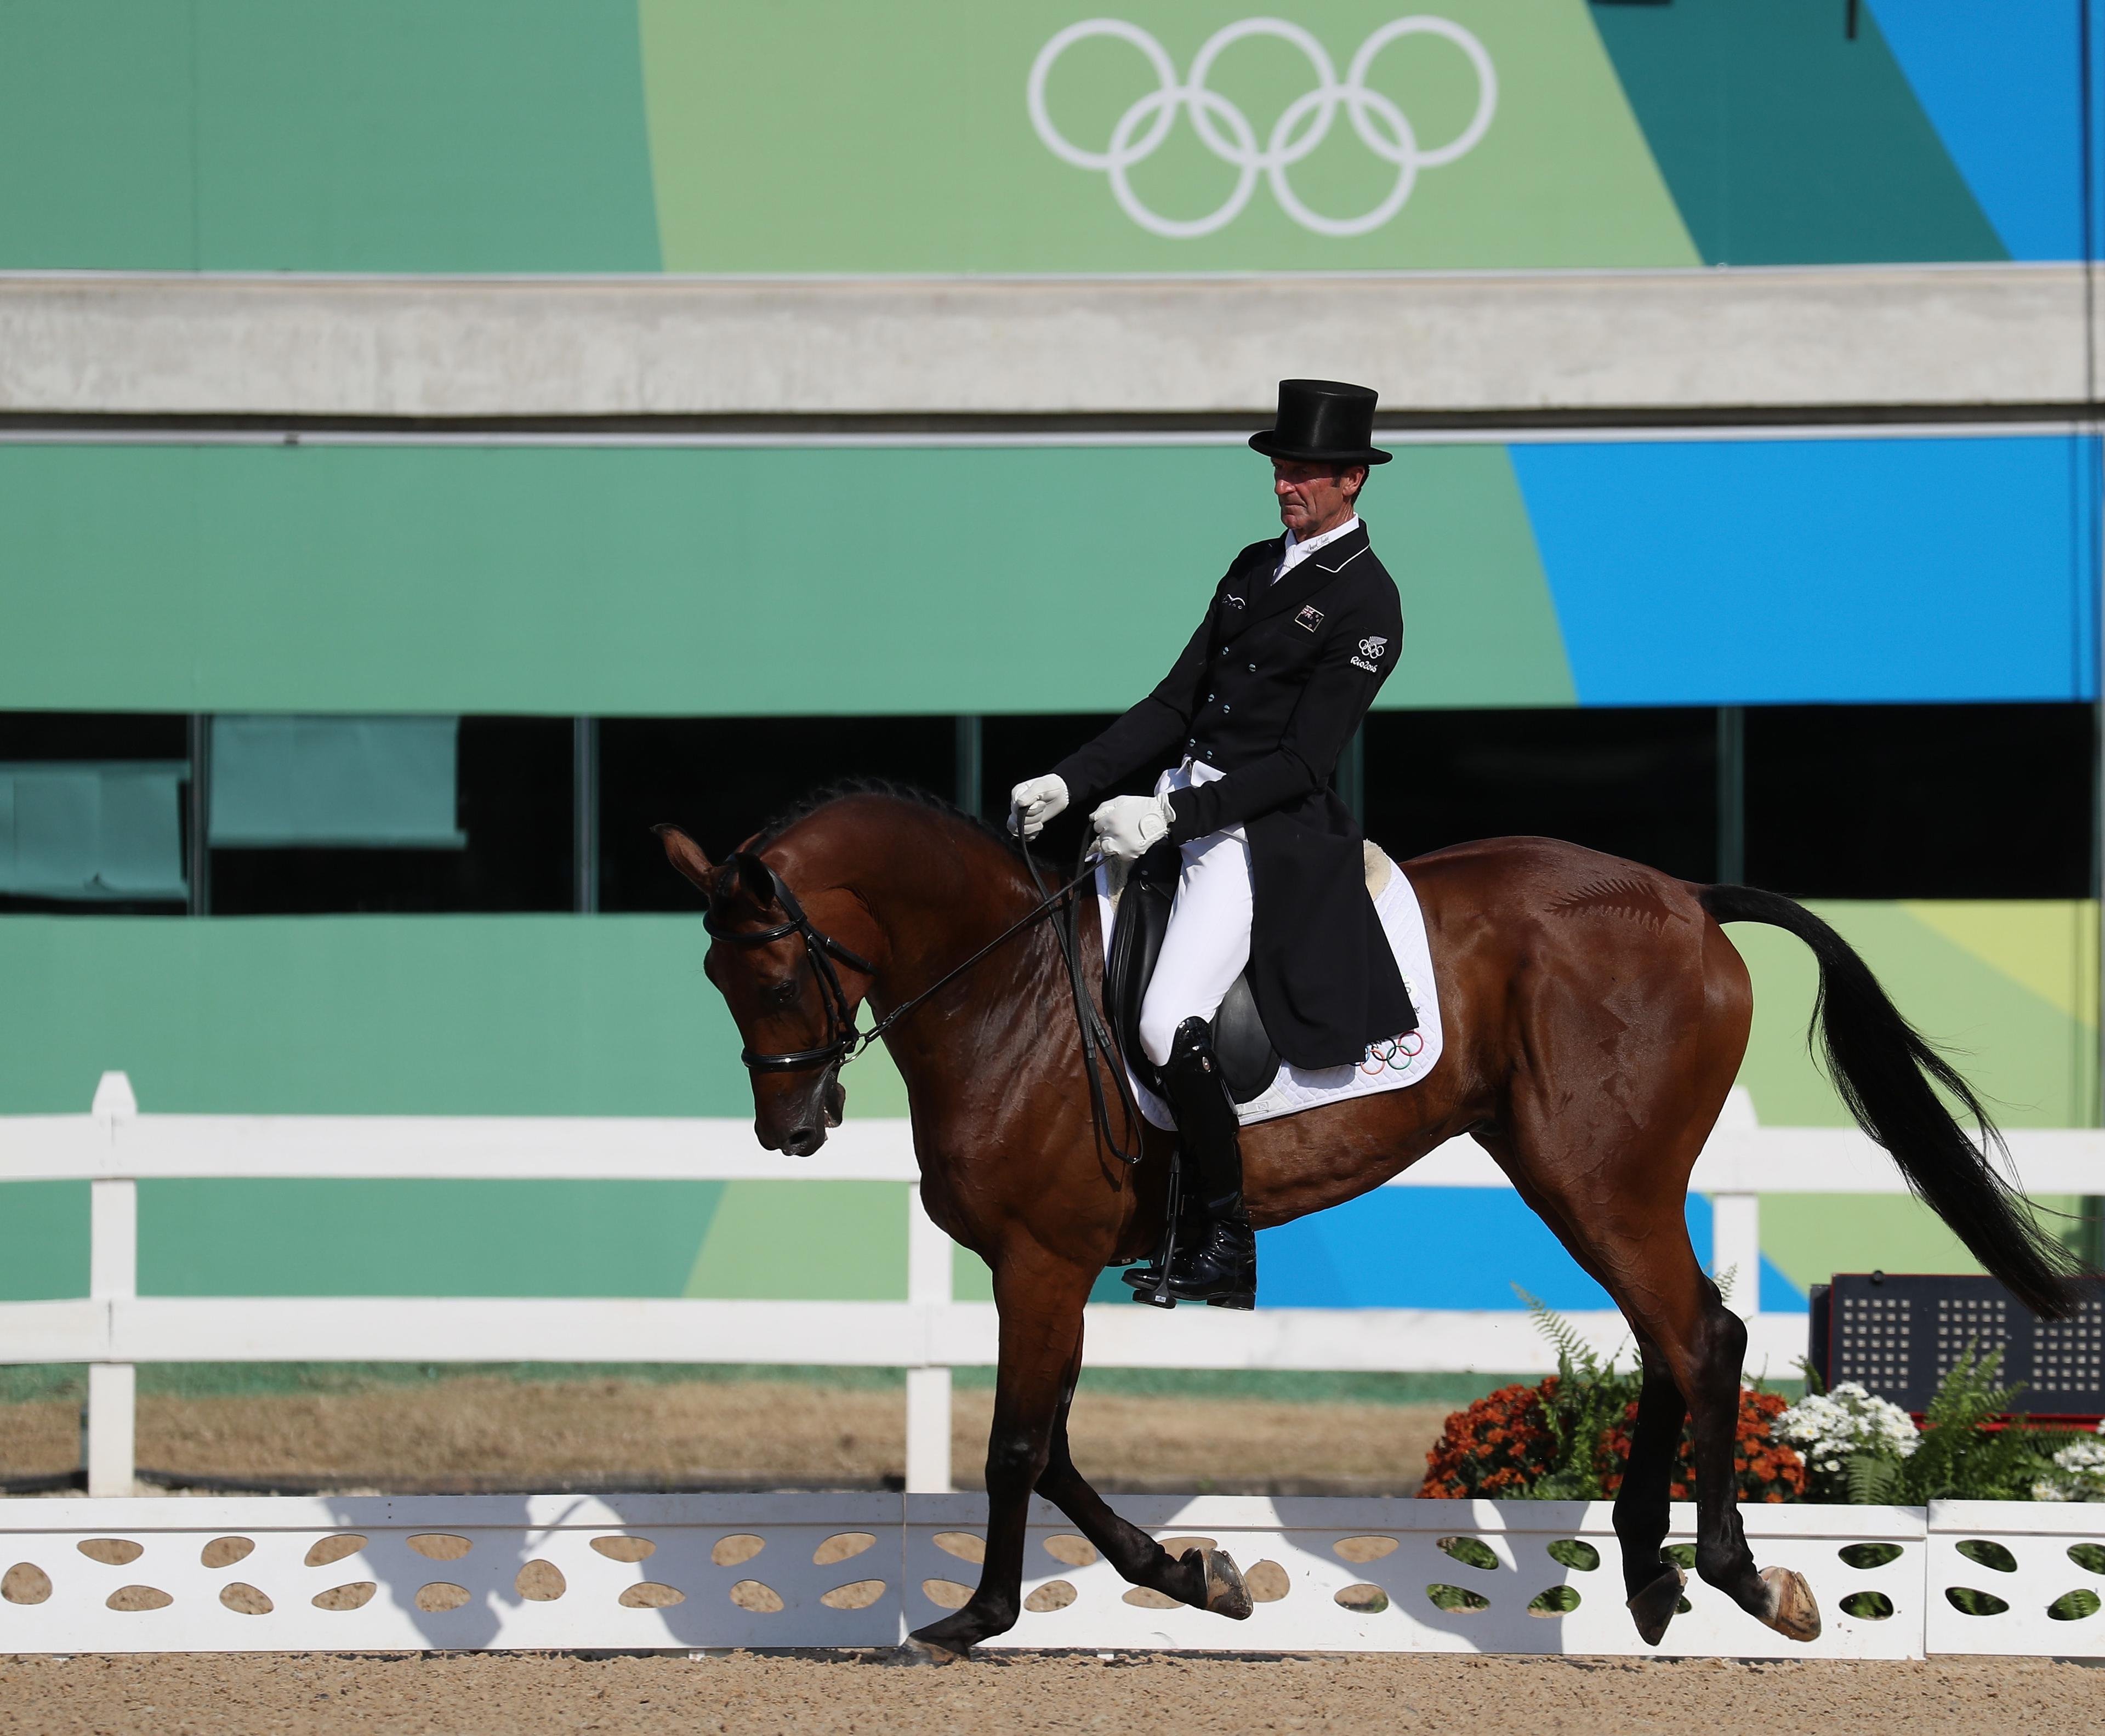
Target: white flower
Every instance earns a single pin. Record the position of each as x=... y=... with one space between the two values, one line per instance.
x=1832 y=1426
x=2082 y=1466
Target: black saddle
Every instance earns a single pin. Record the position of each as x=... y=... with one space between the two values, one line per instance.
x=1249 y=1062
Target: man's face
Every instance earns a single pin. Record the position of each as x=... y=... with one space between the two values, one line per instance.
x=1315 y=498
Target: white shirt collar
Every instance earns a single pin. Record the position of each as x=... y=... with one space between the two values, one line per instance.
x=1297 y=552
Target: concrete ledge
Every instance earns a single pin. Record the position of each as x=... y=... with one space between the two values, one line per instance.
x=176 y=344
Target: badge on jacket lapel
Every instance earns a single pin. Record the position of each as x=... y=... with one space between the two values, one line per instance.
x=1310 y=617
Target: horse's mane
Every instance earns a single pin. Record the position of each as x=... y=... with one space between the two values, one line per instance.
x=844 y=789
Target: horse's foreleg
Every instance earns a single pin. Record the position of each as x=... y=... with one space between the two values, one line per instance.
x=1040 y=1303
x=1652 y=1583
x=1206 y=1579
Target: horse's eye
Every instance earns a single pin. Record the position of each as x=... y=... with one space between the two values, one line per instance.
x=783 y=994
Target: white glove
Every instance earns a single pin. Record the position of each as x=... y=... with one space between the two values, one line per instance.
x=1038 y=799
x=1130 y=826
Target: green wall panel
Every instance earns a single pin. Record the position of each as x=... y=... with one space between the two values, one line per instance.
x=355 y=1016
x=2010 y=988
x=899 y=137
x=2031 y=1053
x=835 y=1241
x=304 y=134
x=449 y=578
x=757 y=1240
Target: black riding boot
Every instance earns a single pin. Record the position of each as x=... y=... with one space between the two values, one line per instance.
x=1215 y=1257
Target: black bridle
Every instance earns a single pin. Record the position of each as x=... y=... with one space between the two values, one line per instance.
x=843 y=1041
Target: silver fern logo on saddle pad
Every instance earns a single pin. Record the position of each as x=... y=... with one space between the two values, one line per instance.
x=1310 y=617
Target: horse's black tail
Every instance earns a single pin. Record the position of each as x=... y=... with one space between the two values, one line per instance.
x=1883 y=1069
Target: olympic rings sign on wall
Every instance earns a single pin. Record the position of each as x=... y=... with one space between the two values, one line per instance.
x=1226 y=131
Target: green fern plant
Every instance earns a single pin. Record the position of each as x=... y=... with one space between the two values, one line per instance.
x=1961 y=1458
x=1591 y=1394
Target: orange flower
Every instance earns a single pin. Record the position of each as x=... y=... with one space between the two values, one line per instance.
x=1766 y=1469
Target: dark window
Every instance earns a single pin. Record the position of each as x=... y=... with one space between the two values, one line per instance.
x=93 y=735
x=721 y=778
x=1884 y=801
x=1641 y=784
x=513 y=804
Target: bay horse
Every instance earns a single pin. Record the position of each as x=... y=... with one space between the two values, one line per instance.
x=1595 y=1015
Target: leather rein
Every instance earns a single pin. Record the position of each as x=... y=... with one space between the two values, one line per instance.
x=843 y=1041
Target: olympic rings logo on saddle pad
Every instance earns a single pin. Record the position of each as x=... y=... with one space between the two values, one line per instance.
x=1226 y=131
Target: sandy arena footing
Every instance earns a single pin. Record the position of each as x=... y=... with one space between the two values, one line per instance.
x=529 y=1694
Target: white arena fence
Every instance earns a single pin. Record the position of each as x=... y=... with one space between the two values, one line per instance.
x=114 y=1328
x=702 y=1573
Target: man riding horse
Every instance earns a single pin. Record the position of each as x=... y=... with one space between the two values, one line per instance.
x=1249 y=722
x=1594 y=1010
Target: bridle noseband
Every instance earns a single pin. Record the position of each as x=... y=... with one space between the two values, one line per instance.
x=842 y=1039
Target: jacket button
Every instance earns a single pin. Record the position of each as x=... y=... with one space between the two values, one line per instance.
x=1190 y=741
x=1253 y=668
x=1209 y=753
x=1227 y=707
x=1209 y=698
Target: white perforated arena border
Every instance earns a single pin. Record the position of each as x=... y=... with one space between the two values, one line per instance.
x=699 y=1572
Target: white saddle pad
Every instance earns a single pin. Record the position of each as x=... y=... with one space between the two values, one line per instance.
x=1388 y=1066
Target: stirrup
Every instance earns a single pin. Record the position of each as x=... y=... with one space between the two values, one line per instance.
x=1150 y=1281
x=1220 y=1276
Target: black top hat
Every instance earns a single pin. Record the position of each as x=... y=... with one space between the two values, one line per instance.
x=1322 y=421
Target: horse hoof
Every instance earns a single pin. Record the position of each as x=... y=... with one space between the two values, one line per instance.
x=1226 y=1593
x=1654 y=1607
x=914 y=1652
x=1792 y=1612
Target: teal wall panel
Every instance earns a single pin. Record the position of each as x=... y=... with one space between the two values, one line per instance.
x=1787 y=142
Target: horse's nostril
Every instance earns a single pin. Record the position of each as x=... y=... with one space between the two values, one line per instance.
x=802 y=1142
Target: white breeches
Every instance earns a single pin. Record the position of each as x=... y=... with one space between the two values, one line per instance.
x=1208 y=940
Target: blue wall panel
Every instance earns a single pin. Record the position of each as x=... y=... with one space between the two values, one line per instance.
x=1809 y=571
x=2000 y=86
x=1446 y=1247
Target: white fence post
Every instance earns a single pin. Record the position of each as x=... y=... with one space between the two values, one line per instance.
x=1735 y=1247
x=113 y=1276
x=928 y=1256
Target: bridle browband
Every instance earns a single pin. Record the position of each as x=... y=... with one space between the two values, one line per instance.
x=844 y=1042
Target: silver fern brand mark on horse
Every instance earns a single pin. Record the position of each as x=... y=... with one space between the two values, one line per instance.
x=1226 y=131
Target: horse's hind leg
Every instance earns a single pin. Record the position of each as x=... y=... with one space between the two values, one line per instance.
x=1775 y=1596
x=1652 y=1583
x=1635 y=1242
x=1204 y=1578
x=1704 y=1346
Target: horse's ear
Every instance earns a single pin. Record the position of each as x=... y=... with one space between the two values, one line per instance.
x=686 y=855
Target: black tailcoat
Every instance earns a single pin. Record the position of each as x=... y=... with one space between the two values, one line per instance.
x=1269 y=690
